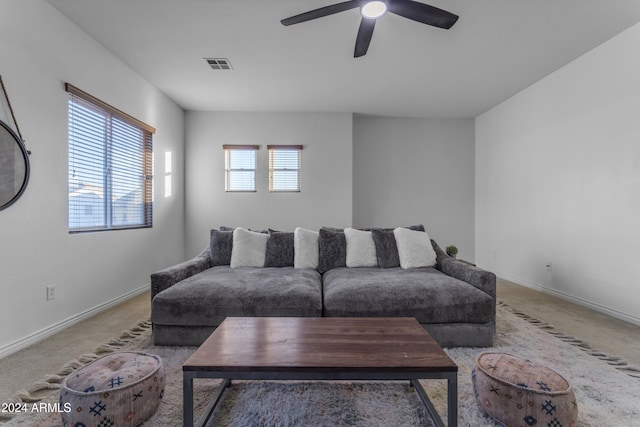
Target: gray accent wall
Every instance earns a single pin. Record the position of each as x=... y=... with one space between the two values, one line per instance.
x=416 y=171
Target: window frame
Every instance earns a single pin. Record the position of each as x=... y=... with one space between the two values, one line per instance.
x=272 y=149
x=228 y=170
x=110 y=149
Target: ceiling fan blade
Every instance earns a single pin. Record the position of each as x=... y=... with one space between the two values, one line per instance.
x=319 y=13
x=365 y=32
x=424 y=13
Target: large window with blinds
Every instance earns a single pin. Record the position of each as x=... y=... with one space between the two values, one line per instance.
x=284 y=167
x=240 y=167
x=110 y=163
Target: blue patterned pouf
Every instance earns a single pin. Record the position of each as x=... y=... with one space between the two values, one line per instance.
x=518 y=392
x=121 y=389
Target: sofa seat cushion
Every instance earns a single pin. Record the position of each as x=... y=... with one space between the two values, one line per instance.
x=206 y=298
x=424 y=293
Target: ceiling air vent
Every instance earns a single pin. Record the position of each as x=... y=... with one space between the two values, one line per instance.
x=219 y=63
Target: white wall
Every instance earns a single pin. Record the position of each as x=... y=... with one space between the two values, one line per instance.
x=558 y=180
x=40 y=50
x=326 y=180
x=416 y=171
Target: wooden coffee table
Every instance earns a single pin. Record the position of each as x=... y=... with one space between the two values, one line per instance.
x=320 y=348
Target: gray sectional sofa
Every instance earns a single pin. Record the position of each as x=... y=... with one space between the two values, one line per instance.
x=453 y=300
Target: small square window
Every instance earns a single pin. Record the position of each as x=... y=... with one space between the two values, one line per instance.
x=240 y=167
x=284 y=168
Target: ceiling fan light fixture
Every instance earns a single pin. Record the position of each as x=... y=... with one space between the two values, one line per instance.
x=373 y=9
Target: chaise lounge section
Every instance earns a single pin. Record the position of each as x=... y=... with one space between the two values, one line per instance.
x=453 y=312
x=187 y=312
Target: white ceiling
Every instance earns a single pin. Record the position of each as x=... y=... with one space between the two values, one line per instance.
x=496 y=49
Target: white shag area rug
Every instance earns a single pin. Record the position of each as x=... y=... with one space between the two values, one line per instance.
x=607 y=389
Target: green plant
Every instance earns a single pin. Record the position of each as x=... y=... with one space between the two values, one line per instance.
x=452 y=250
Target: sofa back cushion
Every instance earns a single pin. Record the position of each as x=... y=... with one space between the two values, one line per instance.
x=280 y=249
x=221 y=246
x=332 y=247
x=249 y=248
x=414 y=248
x=361 y=249
x=386 y=248
x=305 y=248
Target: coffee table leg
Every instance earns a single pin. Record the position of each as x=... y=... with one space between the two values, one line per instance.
x=204 y=419
x=427 y=403
x=452 y=401
x=187 y=399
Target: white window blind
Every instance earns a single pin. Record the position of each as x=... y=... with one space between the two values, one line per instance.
x=284 y=167
x=110 y=181
x=240 y=167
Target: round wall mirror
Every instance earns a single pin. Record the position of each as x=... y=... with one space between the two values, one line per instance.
x=14 y=166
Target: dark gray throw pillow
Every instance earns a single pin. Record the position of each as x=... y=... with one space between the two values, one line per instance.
x=221 y=247
x=332 y=249
x=386 y=248
x=280 y=249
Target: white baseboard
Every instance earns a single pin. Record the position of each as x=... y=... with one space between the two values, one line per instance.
x=593 y=306
x=57 y=327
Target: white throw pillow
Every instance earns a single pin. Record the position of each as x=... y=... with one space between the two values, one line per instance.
x=361 y=249
x=305 y=247
x=414 y=248
x=249 y=248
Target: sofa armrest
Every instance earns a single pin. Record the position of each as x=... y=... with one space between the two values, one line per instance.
x=169 y=276
x=481 y=279
x=440 y=254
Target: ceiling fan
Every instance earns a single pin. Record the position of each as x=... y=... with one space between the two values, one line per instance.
x=372 y=10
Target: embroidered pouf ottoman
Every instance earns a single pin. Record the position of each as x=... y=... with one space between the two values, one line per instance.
x=518 y=392
x=122 y=389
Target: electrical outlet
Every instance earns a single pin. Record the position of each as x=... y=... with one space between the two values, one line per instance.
x=549 y=266
x=51 y=292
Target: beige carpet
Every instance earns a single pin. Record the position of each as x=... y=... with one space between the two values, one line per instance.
x=31 y=364
x=606 y=388
x=611 y=335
